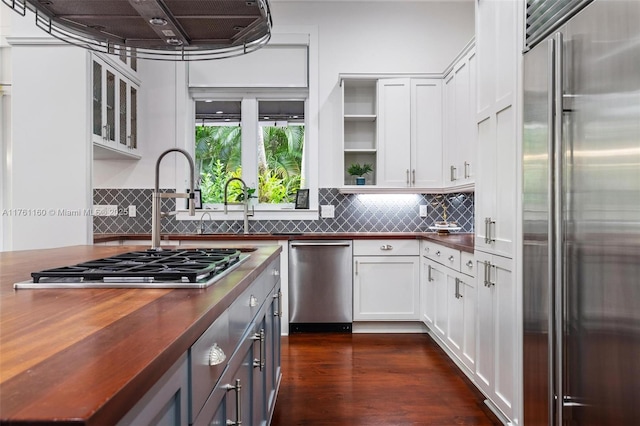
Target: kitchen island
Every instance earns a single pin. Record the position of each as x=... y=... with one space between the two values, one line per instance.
x=87 y=356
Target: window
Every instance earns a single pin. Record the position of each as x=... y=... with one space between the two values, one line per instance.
x=223 y=150
x=280 y=150
x=218 y=150
x=277 y=155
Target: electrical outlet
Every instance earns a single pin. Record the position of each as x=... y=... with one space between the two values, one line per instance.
x=327 y=211
x=423 y=210
x=132 y=211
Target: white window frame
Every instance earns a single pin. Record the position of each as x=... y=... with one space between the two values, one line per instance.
x=251 y=96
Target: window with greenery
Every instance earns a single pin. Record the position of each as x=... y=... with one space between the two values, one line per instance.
x=279 y=146
x=218 y=148
x=280 y=150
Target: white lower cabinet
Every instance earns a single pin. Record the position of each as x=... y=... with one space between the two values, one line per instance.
x=439 y=279
x=449 y=301
x=496 y=356
x=386 y=283
x=461 y=308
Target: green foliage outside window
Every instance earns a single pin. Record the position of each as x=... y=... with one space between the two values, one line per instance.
x=218 y=158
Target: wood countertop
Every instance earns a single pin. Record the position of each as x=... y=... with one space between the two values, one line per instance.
x=86 y=356
x=459 y=241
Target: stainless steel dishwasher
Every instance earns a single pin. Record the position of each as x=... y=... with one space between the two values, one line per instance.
x=320 y=286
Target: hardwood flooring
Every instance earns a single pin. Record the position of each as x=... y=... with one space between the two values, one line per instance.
x=373 y=379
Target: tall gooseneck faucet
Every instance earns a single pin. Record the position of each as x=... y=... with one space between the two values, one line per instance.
x=156 y=213
x=245 y=202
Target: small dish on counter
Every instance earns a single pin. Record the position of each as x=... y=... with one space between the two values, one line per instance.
x=445 y=227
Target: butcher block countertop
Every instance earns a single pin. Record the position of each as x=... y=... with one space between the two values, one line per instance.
x=86 y=356
x=459 y=241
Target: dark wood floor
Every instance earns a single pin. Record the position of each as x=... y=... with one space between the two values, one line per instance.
x=373 y=379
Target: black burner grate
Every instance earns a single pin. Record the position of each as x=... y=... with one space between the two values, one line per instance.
x=168 y=265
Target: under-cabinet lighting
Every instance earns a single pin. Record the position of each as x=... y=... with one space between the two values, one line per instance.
x=387 y=200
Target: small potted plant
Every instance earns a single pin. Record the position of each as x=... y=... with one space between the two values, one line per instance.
x=359 y=170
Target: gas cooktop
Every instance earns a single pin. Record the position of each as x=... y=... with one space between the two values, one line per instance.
x=182 y=268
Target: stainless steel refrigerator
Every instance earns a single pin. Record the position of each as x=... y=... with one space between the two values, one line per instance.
x=581 y=220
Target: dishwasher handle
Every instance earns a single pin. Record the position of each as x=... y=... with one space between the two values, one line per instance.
x=294 y=245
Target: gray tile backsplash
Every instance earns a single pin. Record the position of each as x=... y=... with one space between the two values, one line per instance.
x=353 y=213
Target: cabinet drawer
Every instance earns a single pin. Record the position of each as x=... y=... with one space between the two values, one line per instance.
x=209 y=356
x=467 y=263
x=443 y=255
x=386 y=247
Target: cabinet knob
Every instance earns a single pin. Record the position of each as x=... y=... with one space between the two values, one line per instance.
x=438 y=253
x=216 y=355
x=276 y=273
x=470 y=264
x=451 y=258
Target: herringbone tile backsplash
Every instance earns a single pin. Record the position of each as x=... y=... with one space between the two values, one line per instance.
x=353 y=213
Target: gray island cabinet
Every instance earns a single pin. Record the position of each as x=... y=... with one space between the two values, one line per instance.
x=230 y=375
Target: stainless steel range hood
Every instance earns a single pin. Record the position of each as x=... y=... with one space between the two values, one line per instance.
x=175 y=30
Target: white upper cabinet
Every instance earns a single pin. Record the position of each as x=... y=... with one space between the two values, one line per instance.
x=497 y=127
x=394 y=130
x=409 y=133
x=459 y=122
x=114 y=113
x=426 y=133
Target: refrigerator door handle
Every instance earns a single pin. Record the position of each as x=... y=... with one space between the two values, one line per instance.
x=557 y=246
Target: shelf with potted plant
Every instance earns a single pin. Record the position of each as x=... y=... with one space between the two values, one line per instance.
x=359 y=172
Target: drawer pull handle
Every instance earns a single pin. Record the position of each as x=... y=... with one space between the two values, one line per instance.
x=278 y=312
x=253 y=301
x=237 y=388
x=386 y=247
x=216 y=355
x=457 y=293
x=260 y=337
x=451 y=258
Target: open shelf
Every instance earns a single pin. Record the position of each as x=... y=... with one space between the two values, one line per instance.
x=359 y=126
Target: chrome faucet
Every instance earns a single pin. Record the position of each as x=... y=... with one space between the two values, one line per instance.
x=156 y=213
x=245 y=202
x=201 y=227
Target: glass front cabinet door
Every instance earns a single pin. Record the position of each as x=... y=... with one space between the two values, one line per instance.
x=115 y=113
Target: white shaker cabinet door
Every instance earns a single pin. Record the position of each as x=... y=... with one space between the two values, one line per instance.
x=496 y=339
x=394 y=132
x=386 y=288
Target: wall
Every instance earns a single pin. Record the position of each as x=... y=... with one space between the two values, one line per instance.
x=48 y=185
x=353 y=37
x=50 y=166
x=157 y=130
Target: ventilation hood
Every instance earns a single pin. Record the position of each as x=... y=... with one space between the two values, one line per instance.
x=175 y=30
